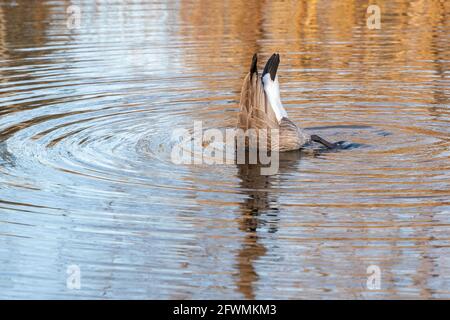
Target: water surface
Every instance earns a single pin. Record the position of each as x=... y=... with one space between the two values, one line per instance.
x=86 y=117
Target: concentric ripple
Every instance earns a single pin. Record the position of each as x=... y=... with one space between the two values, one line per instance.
x=87 y=179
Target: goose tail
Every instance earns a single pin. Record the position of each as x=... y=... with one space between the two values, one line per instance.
x=254 y=66
x=272 y=87
x=272 y=66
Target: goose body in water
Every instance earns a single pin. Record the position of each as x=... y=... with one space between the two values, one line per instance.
x=261 y=109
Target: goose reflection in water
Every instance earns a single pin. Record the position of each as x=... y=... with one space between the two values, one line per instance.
x=260 y=208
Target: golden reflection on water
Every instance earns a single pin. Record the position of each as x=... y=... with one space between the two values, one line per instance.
x=85 y=123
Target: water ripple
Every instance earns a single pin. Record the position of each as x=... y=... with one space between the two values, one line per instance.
x=86 y=177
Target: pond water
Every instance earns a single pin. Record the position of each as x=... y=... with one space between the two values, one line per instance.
x=86 y=178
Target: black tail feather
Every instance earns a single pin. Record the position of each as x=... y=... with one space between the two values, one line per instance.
x=254 y=66
x=272 y=66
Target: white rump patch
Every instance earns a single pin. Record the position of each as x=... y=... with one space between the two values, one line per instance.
x=272 y=90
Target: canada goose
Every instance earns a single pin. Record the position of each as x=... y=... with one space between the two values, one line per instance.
x=261 y=108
